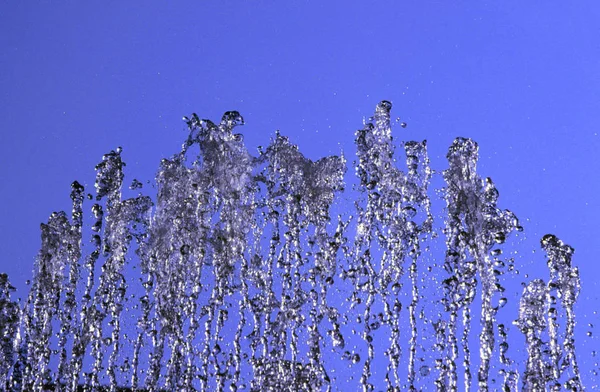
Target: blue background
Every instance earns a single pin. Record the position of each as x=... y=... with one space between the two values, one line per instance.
x=523 y=80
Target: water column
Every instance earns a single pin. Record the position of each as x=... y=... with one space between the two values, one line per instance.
x=9 y=323
x=396 y=217
x=473 y=227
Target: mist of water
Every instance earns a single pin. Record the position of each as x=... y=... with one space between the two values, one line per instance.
x=261 y=273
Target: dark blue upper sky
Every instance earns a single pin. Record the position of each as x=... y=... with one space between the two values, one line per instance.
x=521 y=78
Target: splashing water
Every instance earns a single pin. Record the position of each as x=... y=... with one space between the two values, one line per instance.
x=237 y=275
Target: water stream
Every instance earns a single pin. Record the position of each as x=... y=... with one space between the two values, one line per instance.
x=263 y=273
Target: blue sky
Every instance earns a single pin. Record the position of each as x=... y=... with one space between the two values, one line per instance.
x=523 y=80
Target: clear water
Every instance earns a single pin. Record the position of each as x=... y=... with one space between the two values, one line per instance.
x=262 y=273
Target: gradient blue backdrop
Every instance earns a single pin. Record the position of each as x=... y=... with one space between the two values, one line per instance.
x=522 y=79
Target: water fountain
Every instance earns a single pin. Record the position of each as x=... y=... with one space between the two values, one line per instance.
x=240 y=275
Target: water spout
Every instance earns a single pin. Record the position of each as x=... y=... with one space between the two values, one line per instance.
x=251 y=272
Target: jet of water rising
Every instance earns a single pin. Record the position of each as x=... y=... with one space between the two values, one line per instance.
x=237 y=275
